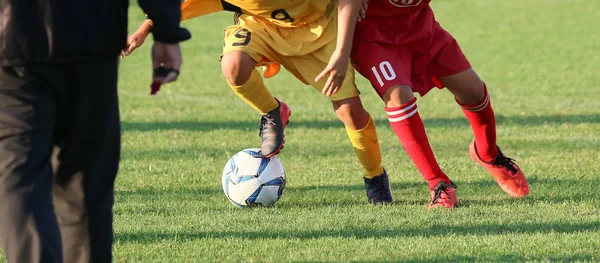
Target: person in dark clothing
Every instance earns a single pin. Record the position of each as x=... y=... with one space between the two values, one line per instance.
x=59 y=121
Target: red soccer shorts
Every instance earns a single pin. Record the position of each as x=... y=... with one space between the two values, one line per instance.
x=412 y=50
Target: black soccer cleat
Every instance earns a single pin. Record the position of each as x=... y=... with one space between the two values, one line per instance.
x=378 y=189
x=271 y=130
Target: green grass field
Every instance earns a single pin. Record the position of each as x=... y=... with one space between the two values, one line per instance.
x=541 y=62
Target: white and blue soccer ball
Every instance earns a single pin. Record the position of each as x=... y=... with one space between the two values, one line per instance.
x=250 y=179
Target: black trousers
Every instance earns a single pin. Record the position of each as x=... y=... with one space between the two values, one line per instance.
x=59 y=156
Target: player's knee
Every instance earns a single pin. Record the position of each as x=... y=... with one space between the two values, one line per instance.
x=466 y=86
x=470 y=92
x=237 y=67
x=474 y=92
x=351 y=112
x=398 y=95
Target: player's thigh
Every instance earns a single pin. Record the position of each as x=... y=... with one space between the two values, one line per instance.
x=385 y=66
x=346 y=102
x=307 y=67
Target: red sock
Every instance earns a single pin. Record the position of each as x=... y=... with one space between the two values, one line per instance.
x=407 y=124
x=483 y=123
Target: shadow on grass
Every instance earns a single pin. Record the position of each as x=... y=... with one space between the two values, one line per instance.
x=541 y=191
x=334 y=123
x=438 y=230
x=489 y=258
x=405 y=193
x=160 y=193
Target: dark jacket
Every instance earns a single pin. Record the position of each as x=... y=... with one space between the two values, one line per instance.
x=48 y=31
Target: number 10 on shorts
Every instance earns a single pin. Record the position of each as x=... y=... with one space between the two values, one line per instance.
x=385 y=69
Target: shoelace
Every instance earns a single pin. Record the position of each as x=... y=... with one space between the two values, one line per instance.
x=264 y=121
x=507 y=162
x=438 y=194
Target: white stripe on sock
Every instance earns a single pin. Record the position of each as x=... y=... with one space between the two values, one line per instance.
x=482 y=105
x=400 y=111
x=406 y=116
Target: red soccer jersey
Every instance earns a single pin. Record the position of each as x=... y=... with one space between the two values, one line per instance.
x=381 y=8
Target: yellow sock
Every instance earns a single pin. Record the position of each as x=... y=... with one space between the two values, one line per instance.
x=255 y=93
x=366 y=146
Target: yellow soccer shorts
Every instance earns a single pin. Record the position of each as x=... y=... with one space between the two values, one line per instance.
x=304 y=51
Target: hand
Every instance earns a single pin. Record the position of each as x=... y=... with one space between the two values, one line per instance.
x=133 y=42
x=136 y=39
x=363 y=10
x=166 y=62
x=336 y=70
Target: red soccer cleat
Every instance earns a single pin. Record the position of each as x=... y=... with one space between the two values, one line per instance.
x=443 y=195
x=506 y=172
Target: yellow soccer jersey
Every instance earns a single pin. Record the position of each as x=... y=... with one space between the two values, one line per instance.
x=194 y=8
x=286 y=13
x=283 y=13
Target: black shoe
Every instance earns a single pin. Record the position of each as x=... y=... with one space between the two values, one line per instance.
x=378 y=189
x=271 y=130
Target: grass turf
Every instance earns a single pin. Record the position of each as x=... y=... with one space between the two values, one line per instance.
x=540 y=61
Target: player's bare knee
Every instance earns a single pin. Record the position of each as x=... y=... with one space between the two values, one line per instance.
x=351 y=112
x=466 y=86
x=237 y=67
x=397 y=95
x=469 y=92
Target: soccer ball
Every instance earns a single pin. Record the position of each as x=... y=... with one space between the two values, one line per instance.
x=250 y=179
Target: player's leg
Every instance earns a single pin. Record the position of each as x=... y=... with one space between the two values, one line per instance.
x=361 y=131
x=392 y=80
x=404 y=118
x=472 y=95
x=349 y=109
x=87 y=161
x=241 y=54
x=28 y=230
x=246 y=82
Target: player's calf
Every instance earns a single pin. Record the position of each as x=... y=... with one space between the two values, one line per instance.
x=247 y=83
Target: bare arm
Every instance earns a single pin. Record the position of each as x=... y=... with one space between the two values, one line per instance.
x=348 y=13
